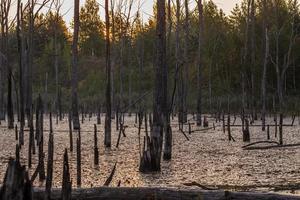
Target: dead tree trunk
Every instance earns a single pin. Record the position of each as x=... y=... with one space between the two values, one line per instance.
x=151 y=158
x=107 y=137
x=200 y=64
x=66 y=193
x=22 y=62
x=49 y=167
x=40 y=138
x=75 y=115
x=266 y=56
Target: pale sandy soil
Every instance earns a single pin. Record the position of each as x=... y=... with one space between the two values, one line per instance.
x=207 y=158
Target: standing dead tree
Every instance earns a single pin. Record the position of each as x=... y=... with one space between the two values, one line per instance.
x=107 y=138
x=57 y=4
x=200 y=64
x=266 y=58
x=75 y=115
x=34 y=7
x=151 y=157
x=5 y=7
x=282 y=63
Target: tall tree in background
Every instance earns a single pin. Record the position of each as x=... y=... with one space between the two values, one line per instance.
x=2 y=58
x=265 y=63
x=20 y=62
x=107 y=137
x=5 y=11
x=91 y=29
x=75 y=116
x=200 y=63
x=167 y=154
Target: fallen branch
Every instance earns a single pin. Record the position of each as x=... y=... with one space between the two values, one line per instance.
x=260 y=142
x=199 y=185
x=109 y=179
x=187 y=138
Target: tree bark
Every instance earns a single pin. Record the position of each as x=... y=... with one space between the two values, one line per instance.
x=200 y=64
x=107 y=137
x=75 y=115
x=266 y=56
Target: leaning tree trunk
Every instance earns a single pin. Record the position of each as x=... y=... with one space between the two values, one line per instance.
x=75 y=116
x=151 y=158
x=200 y=63
x=107 y=137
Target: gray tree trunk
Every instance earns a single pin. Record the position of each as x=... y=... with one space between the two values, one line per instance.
x=266 y=56
x=200 y=64
x=75 y=115
x=107 y=137
x=151 y=158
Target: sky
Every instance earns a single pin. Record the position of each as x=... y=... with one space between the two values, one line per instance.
x=226 y=5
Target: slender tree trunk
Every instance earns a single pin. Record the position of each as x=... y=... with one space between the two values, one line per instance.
x=200 y=64
x=107 y=137
x=75 y=115
x=186 y=60
x=29 y=57
x=264 y=76
x=252 y=17
x=167 y=155
x=2 y=110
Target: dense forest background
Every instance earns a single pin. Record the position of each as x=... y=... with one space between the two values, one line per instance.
x=233 y=55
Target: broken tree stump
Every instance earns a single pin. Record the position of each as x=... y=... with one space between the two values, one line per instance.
x=70 y=132
x=78 y=159
x=16 y=184
x=66 y=193
x=246 y=132
x=96 y=150
x=280 y=129
x=49 y=166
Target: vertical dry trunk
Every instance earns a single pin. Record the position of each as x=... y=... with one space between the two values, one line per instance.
x=75 y=115
x=107 y=138
x=167 y=155
x=264 y=76
x=252 y=17
x=151 y=158
x=200 y=63
x=2 y=110
x=186 y=61
x=29 y=59
x=5 y=10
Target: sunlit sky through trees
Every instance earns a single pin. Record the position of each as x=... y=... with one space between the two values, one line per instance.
x=146 y=8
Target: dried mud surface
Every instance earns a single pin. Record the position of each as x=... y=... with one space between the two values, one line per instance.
x=208 y=158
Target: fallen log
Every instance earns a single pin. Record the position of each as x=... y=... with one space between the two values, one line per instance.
x=114 y=193
x=272 y=147
x=260 y=142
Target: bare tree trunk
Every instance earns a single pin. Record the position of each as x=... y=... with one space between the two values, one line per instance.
x=107 y=138
x=252 y=17
x=186 y=61
x=200 y=64
x=266 y=56
x=2 y=111
x=167 y=155
x=29 y=59
x=75 y=115
x=151 y=158
x=5 y=10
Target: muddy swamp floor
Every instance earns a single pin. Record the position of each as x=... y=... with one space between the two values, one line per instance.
x=207 y=158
